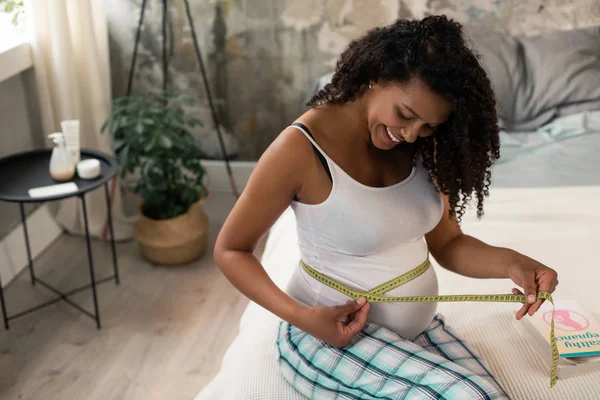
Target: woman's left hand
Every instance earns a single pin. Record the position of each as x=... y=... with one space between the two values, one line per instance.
x=533 y=277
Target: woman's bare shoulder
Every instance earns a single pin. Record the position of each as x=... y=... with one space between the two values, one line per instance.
x=290 y=145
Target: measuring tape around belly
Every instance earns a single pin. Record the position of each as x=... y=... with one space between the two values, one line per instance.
x=376 y=295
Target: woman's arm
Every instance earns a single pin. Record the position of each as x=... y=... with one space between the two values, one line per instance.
x=270 y=190
x=471 y=257
x=277 y=178
x=465 y=254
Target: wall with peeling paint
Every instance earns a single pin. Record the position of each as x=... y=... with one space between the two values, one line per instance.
x=263 y=56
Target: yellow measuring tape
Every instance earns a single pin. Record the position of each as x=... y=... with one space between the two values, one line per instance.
x=375 y=295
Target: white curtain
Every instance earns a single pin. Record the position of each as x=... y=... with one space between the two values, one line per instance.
x=69 y=41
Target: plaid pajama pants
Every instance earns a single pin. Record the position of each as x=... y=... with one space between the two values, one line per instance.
x=379 y=364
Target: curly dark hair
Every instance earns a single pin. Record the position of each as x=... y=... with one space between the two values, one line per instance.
x=433 y=50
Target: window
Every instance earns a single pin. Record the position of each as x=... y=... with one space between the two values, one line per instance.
x=12 y=22
x=15 y=55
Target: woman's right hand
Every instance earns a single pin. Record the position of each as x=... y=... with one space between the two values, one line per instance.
x=331 y=325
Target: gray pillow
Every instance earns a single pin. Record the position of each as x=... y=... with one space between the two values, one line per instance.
x=535 y=78
x=539 y=78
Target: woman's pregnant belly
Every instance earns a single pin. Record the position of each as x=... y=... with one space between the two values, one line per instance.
x=366 y=272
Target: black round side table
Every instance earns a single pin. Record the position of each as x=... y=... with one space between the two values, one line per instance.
x=23 y=171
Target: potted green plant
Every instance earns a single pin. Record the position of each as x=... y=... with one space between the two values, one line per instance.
x=152 y=142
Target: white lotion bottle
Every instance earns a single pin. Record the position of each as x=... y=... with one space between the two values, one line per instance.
x=71 y=133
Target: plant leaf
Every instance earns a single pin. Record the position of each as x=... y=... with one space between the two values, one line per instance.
x=139 y=128
x=124 y=121
x=165 y=142
x=114 y=127
x=123 y=154
x=195 y=122
x=150 y=145
x=117 y=145
x=179 y=116
x=9 y=7
x=104 y=125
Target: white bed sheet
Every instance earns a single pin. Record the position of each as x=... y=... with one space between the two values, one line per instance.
x=558 y=226
x=561 y=153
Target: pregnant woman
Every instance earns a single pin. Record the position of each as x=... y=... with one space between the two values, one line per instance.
x=379 y=172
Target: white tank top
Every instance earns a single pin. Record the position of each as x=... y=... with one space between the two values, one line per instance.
x=363 y=236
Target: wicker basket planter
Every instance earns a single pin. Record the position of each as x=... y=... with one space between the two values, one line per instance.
x=179 y=240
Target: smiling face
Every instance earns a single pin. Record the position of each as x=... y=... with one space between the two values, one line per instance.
x=400 y=113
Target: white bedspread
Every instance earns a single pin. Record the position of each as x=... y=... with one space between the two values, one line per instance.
x=558 y=226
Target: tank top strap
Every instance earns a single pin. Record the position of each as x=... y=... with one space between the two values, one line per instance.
x=323 y=157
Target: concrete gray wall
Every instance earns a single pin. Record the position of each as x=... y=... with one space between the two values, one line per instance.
x=20 y=130
x=263 y=56
x=258 y=69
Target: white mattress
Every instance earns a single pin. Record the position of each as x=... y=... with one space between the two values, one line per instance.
x=558 y=226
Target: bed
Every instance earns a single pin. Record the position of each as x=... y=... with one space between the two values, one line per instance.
x=544 y=202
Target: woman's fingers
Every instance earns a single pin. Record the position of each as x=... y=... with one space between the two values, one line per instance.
x=544 y=287
x=358 y=322
x=523 y=310
x=548 y=284
x=352 y=316
x=350 y=307
x=517 y=291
